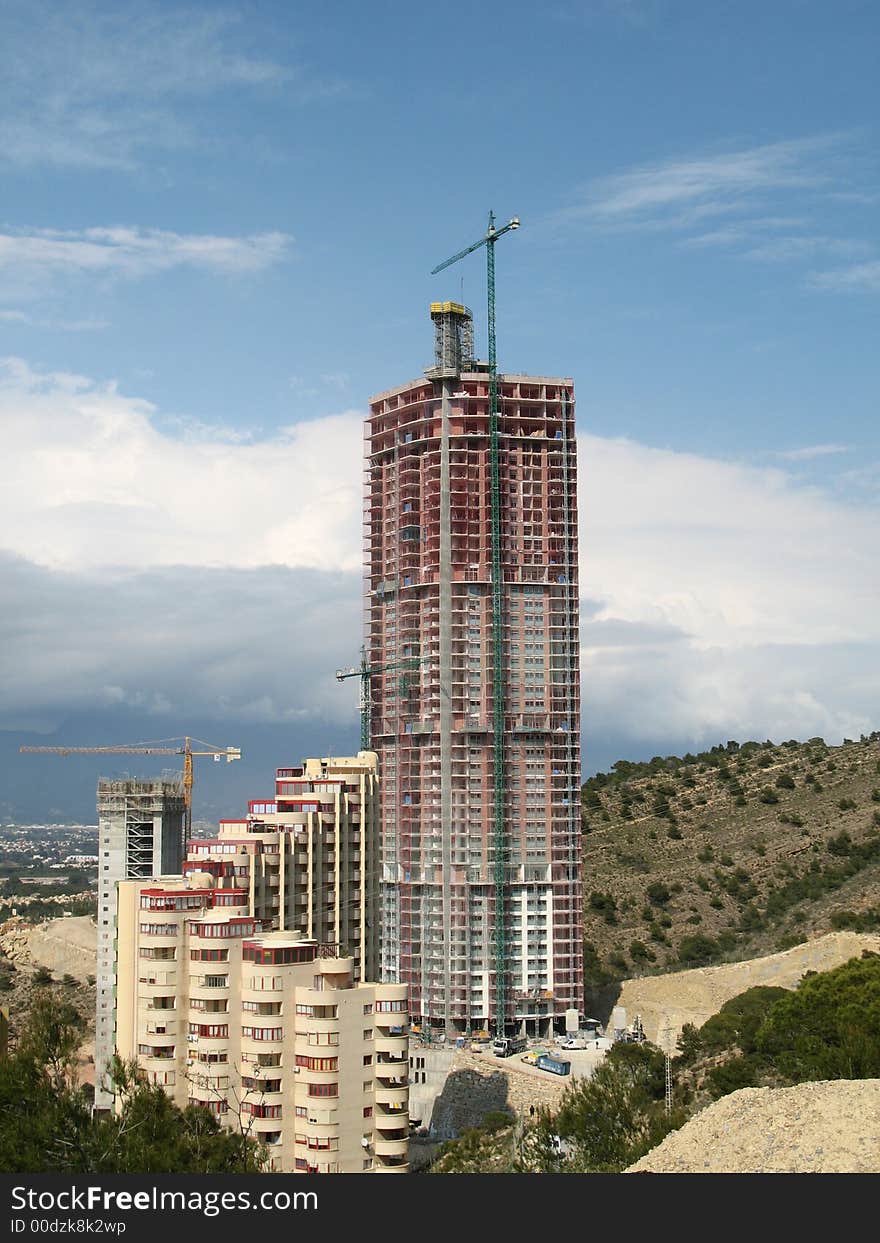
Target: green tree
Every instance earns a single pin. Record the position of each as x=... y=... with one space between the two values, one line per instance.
x=46 y=1122
x=829 y=1028
x=615 y=1117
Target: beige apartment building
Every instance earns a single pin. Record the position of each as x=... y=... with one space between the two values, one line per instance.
x=269 y=1030
x=310 y=855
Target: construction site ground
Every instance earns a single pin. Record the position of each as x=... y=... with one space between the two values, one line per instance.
x=830 y=1127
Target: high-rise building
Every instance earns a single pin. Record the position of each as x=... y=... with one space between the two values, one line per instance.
x=465 y=889
x=140 y=834
x=305 y=860
x=311 y=855
x=268 y=1030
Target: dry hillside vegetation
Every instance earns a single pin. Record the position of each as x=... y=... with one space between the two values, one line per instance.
x=729 y=854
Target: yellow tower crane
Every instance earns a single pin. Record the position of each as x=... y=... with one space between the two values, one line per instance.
x=154 y=748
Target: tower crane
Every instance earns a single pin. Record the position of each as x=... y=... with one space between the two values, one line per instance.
x=366 y=672
x=488 y=240
x=154 y=748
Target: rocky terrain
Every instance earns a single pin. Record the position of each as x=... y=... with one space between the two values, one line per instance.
x=830 y=1127
x=731 y=854
x=667 y=1002
x=60 y=955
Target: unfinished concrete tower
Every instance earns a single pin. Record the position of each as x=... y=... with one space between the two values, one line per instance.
x=140 y=835
x=430 y=615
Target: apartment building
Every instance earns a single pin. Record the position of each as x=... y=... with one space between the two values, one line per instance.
x=311 y=855
x=269 y=1030
x=305 y=860
x=480 y=807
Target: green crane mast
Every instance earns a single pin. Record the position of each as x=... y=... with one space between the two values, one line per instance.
x=365 y=672
x=488 y=240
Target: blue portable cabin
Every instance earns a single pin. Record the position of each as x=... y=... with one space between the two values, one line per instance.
x=556 y=1065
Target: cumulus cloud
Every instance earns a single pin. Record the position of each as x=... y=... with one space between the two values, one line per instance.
x=149 y=569
x=89 y=481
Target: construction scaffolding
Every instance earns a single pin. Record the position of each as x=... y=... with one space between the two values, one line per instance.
x=435 y=552
x=141 y=832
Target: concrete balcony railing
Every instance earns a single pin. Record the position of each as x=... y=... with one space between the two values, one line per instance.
x=391 y=1165
x=392 y=1095
x=389 y=1124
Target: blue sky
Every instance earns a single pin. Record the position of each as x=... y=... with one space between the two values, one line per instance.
x=216 y=232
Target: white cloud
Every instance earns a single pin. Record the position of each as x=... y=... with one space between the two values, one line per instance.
x=808 y=452
x=685 y=190
x=89 y=481
x=860 y=277
x=132 y=252
x=720 y=600
x=96 y=85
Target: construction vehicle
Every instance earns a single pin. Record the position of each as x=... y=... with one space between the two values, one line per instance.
x=506 y=1046
x=154 y=748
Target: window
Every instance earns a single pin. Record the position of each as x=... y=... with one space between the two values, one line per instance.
x=323 y=1089
x=215 y=1031
x=368 y=1009
x=317 y=1063
x=368 y=1059
x=368 y=1111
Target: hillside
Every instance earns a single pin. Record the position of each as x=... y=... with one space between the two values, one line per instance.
x=729 y=854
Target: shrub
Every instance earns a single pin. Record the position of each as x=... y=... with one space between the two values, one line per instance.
x=604 y=905
x=730 y=1076
x=496 y=1120
x=737 y=1023
x=697 y=949
x=847 y=804
x=768 y=795
x=658 y=894
x=785 y=782
x=42 y=976
x=674 y=833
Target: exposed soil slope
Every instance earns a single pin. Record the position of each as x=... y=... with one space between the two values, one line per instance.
x=831 y=1127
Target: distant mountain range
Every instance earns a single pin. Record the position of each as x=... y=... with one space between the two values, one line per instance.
x=53 y=789
x=61 y=789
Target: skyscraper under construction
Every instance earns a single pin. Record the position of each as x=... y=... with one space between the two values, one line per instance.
x=474 y=698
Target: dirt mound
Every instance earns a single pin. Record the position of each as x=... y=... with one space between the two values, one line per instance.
x=831 y=1127
x=694 y=996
